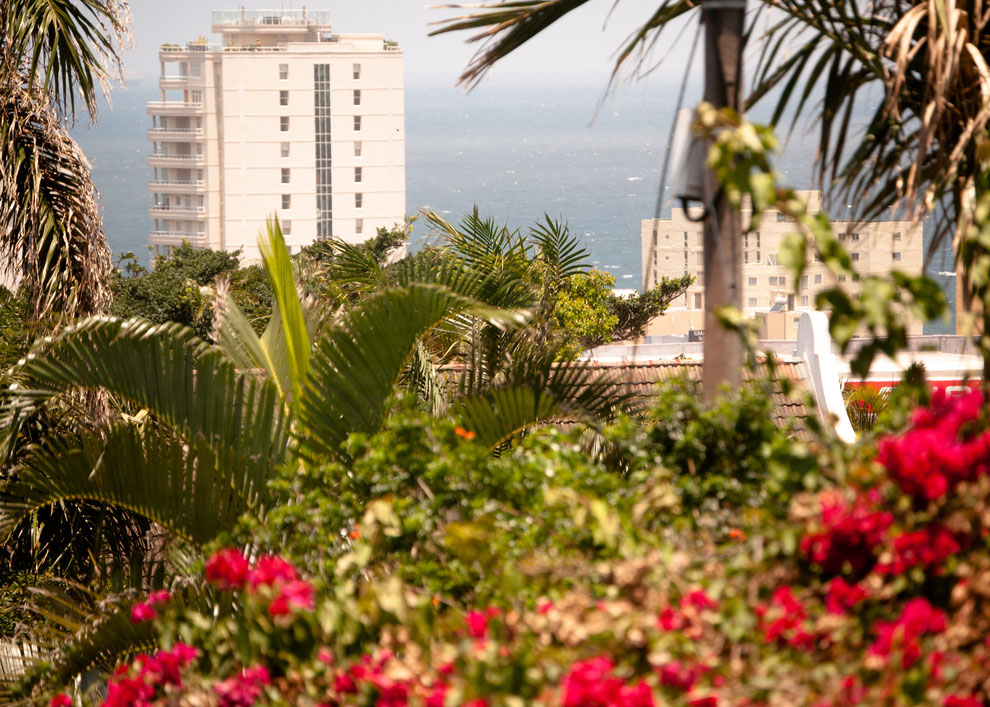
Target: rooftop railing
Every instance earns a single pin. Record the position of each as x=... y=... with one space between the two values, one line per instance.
x=270 y=17
x=174 y=130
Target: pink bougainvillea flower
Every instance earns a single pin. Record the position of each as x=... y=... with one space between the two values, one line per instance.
x=927 y=547
x=591 y=683
x=671 y=620
x=159 y=597
x=959 y=701
x=243 y=689
x=917 y=619
x=850 y=535
x=678 y=675
x=709 y=701
x=61 y=700
x=698 y=599
x=142 y=612
x=937 y=453
x=271 y=570
x=297 y=594
x=227 y=569
x=477 y=624
x=842 y=596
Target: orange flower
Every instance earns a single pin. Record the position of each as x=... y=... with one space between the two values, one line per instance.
x=436 y=601
x=463 y=433
x=737 y=534
x=354 y=534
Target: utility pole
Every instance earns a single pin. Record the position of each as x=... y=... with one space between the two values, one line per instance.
x=724 y=26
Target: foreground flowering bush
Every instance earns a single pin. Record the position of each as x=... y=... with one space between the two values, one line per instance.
x=874 y=590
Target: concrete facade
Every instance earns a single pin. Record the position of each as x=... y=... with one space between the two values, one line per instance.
x=283 y=118
x=673 y=247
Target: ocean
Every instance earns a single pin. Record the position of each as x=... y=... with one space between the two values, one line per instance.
x=516 y=153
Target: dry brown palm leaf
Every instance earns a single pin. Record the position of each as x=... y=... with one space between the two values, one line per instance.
x=51 y=239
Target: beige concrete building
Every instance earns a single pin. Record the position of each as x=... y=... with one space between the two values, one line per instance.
x=673 y=247
x=283 y=117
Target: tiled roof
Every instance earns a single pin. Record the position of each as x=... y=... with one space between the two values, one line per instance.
x=641 y=378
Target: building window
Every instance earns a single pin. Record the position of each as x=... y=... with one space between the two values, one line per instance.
x=286 y=227
x=773 y=280
x=854 y=256
x=358 y=200
x=324 y=175
x=842 y=278
x=745 y=256
x=283 y=98
x=285 y=175
x=782 y=281
x=357 y=149
x=818 y=279
x=357 y=71
x=283 y=72
x=895 y=255
x=359 y=225
x=751 y=281
x=286 y=201
x=357 y=122
x=283 y=124
x=197 y=96
x=357 y=174
x=357 y=96
x=804 y=281
x=285 y=149
x=196 y=69
x=854 y=236
x=751 y=302
x=897 y=235
x=757 y=256
x=804 y=300
x=697 y=300
x=842 y=236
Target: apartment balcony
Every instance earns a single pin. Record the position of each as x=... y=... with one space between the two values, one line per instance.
x=160 y=159
x=170 y=211
x=181 y=134
x=176 y=238
x=179 y=108
x=177 y=186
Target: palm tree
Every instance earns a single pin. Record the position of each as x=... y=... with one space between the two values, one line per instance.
x=51 y=241
x=203 y=428
x=924 y=148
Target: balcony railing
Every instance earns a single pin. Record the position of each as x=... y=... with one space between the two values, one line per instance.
x=173 y=107
x=269 y=17
x=173 y=207
x=167 y=156
x=178 y=235
x=175 y=130
x=177 y=182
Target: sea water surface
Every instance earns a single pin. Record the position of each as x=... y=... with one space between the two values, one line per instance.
x=516 y=153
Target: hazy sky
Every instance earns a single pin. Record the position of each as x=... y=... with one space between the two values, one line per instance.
x=577 y=51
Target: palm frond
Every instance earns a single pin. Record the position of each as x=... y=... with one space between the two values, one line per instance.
x=292 y=321
x=179 y=484
x=535 y=390
x=51 y=239
x=357 y=364
x=182 y=381
x=66 y=46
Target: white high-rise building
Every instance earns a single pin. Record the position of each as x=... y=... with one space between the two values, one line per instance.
x=283 y=118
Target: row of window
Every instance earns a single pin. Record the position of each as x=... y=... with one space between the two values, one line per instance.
x=283 y=97
x=283 y=123
x=358 y=201
x=285 y=149
x=287 y=174
x=283 y=72
x=286 y=226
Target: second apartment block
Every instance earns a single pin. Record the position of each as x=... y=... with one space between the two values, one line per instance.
x=285 y=118
x=673 y=247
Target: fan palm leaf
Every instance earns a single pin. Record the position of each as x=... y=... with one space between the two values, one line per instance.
x=356 y=366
